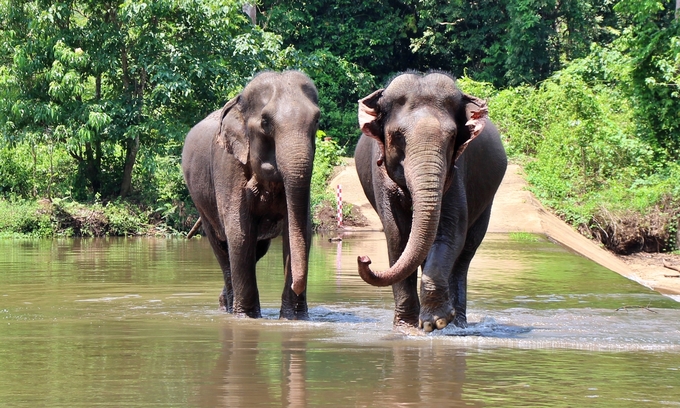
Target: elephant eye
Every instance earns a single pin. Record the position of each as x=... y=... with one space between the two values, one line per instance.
x=266 y=125
x=397 y=139
x=397 y=135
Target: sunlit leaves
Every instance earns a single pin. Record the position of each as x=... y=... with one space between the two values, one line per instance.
x=506 y=43
x=94 y=75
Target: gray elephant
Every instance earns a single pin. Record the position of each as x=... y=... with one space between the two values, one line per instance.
x=248 y=168
x=430 y=162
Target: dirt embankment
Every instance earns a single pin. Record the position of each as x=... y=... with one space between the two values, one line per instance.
x=515 y=209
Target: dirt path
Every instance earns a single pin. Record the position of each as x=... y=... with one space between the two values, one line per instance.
x=515 y=209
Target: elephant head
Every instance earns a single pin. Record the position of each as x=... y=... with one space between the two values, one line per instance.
x=270 y=128
x=422 y=125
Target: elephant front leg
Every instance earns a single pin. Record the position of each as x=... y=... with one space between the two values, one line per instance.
x=437 y=309
x=406 y=303
x=293 y=307
x=226 y=299
x=396 y=219
x=242 y=254
x=458 y=279
x=458 y=290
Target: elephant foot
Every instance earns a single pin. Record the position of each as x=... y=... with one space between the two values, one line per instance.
x=290 y=315
x=225 y=306
x=436 y=317
x=252 y=312
x=296 y=310
x=437 y=320
x=407 y=329
x=250 y=315
x=402 y=320
x=460 y=320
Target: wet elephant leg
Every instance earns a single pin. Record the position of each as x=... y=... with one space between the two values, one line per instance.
x=458 y=277
x=243 y=249
x=397 y=224
x=436 y=307
x=221 y=252
x=406 y=302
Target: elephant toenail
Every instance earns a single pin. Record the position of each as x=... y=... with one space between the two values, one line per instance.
x=427 y=327
x=441 y=323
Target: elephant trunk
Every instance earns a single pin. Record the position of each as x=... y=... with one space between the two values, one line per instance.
x=425 y=171
x=297 y=174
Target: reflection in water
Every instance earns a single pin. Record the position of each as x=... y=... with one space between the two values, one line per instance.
x=134 y=322
x=259 y=365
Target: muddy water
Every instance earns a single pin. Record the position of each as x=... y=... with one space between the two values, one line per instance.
x=134 y=322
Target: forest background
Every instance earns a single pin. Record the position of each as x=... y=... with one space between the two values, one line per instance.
x=97 y=96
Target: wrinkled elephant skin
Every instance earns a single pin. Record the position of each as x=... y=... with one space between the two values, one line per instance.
x=430 y=162
x=248 y=168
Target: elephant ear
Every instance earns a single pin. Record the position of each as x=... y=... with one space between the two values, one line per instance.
x=476 y=114
x=232 y=131
x=370 y=120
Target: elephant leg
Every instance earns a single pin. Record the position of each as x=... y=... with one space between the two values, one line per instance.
x=243 y=250
x=397 y=224
x=221 y=252
x=406 y=302
x=458 y=277
x=293 y=307
x=437 y=309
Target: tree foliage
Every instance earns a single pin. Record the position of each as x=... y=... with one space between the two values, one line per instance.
x=507 y=43
x=373 y=36
x=651 y=41
x=97 y=96
x=104 y=79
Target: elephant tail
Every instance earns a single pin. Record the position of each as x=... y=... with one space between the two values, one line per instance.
x=195 y=228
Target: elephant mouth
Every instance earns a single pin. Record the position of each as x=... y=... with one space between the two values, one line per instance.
x=268 y=172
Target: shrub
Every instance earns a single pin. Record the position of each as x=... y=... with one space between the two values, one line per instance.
x=25 y=217
x=328 y=155
x=578 y=135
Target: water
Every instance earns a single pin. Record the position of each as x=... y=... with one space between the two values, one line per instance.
x=134 y=322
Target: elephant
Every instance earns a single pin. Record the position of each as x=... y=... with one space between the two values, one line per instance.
x=430 y=162
x=248 y=169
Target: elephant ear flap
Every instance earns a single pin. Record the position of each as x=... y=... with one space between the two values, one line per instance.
x=370 y=120
x=476 y=115
x=369 y=115
x=232 y=131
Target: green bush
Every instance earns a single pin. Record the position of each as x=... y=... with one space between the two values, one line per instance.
x=24 y=217
x=160 y=183
x=35 y=170
x=579 y=136
x=328 y=155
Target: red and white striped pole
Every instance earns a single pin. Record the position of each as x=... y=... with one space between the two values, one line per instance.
x=339 y=196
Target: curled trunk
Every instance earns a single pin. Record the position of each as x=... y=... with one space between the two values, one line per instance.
x=425 y=174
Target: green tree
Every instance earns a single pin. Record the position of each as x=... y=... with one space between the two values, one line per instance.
x=508 y=43
x=372 y=35
x=652 y=42
x=106 y=79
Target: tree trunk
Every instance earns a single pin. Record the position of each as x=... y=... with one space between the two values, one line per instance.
x=251 y=11
x=93 y=167
x=131 y=156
